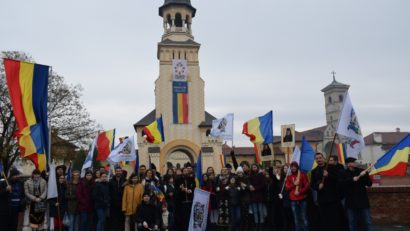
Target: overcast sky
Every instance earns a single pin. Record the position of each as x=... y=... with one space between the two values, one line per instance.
x=255 y=56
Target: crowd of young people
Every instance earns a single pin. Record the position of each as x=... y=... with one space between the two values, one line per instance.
x=246 y=197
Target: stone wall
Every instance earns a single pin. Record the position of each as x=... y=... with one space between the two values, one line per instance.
x=390 y=205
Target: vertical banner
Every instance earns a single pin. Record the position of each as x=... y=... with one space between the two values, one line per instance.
x=199 y=211
x=180 y=91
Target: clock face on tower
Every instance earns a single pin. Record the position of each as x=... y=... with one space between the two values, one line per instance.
x=179 y=70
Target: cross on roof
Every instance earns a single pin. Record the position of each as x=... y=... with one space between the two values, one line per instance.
x=334 y=75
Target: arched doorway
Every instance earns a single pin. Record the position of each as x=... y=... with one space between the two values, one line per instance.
x=178 y=149
x=179 y=157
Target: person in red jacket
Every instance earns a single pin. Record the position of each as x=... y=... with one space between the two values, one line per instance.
x=297 y=185
x=84 y=202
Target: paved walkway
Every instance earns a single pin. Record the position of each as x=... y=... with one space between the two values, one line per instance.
x=391 y=227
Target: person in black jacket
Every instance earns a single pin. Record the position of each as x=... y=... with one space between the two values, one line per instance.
x=101 y=199
x=357 y=202
x=117 y=219
x=5 y=191
x=17 y=198
x=326 y=182
x=147 y=217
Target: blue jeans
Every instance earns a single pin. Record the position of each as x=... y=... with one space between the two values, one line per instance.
x=74 y=218
x=84 y=217
x=354 y=214
x=235 y=216
x=299 y=209
x=258 y=213
x=101 y=215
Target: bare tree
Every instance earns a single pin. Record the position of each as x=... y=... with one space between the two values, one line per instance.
x=68 y=118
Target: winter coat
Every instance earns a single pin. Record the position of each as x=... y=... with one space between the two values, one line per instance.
x=356 y=193
x=17 y=197
x=234 y=193
x=132 y=198
x=258 y=182
x=83 y=193
x=244 y=193
x=29 y=189
x=148 y=213
x=101 y=195
x=61 y=189
x=303 y=186
x=170 y=195
x=329 y=194
x=4 y=198
x=116 y=189
x=71 y=197
x=210 y=186
x=222 y=192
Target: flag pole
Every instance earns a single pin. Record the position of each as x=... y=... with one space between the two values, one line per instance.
x=328 y=157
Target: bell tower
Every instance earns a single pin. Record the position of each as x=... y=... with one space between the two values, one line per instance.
x=177 y=20
x=179 y=95
x=334 y=95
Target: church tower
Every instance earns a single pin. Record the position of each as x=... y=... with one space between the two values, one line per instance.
x=334 y=95
x=179 y=96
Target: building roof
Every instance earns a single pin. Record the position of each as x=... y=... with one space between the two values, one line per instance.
x=208 y=121
x=186 y=3
x=146 y=120
x=335 y=85
x=150 y=117
x=188 y=42
x=311 y=135
x=386 y=139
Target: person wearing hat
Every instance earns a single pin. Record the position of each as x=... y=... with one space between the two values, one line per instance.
x=325 y=180
x=148 y=215
x=297 y=185
x=356 y=181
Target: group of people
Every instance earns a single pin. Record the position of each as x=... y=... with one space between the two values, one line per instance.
x=246 y=197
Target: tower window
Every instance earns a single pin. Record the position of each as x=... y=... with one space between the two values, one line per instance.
x=330 y=99
x=178 y=20
x=169 y=21
x=341 y=98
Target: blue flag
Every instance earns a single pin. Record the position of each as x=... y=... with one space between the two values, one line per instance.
x=198 y=179
x=307 y=156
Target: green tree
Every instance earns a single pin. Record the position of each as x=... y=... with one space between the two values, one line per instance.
x=68 y=118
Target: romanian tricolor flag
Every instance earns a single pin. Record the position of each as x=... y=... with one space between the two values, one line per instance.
x=395 y=161
x=180 y=108
x=341 y=153
x=222 y=159
x=260 y=129
x=28 y=90
x=105 y=143
x=155 y=132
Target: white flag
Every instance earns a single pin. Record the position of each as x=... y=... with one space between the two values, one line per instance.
x=199 y=210
x=349 y=127
x=125 y=151
x=52 y=182
x=295 y=157
x=223 y=128
x=89 y=159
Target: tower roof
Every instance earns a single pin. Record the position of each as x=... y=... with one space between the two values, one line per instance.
x=335 y=85
x=186 y=3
